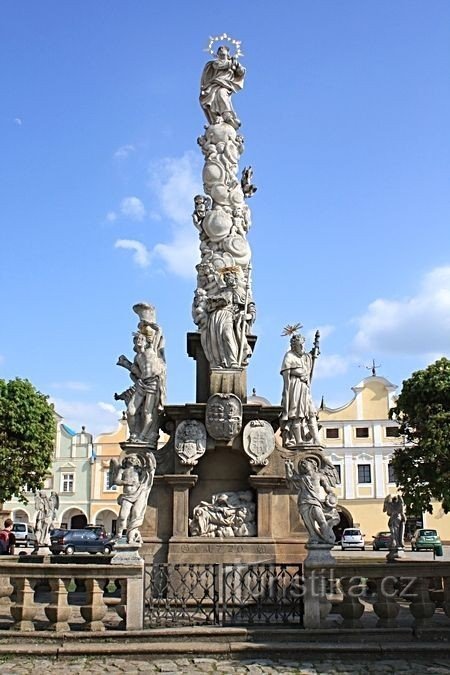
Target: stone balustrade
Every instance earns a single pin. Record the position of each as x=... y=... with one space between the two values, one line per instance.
x=60 y=596
x=404 y=593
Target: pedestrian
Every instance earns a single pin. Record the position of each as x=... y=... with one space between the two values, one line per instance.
x=7 y=538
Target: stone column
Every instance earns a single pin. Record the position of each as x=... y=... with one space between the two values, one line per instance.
x=181 y=484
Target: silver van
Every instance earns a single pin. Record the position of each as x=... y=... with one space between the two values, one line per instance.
x=24 y=534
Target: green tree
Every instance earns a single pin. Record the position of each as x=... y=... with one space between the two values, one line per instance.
x=27 y=435
x=422 y=465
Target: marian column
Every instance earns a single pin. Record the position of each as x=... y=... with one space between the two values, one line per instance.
x=223 y=307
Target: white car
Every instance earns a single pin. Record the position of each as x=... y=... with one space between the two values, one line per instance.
x=24 y=534
x=352 y=537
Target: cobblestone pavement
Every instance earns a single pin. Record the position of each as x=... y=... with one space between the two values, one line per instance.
x=191 y=666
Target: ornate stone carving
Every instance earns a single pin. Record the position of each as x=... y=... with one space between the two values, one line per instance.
x=146 y=397
x=299 y=416
x=223 y=308
x=259 y=441
x=46 y=508
x=314 y=479
x=190 y=441
x=135 y=473
x=223 y=416
x=228 y=514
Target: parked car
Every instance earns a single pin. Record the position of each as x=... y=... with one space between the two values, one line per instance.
x=98 y=529
x=79 y=541
x=352 y=537
x=424 y=539
x=24 y=534
x=381 y=540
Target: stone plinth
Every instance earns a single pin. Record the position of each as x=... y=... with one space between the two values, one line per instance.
x=209 y=382
x=126 y=554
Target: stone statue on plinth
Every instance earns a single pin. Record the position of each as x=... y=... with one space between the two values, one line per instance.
x=46 y=508
x=135 y=473
x=315 y=480
x=394 y=507
x=298 y=421
x=146 y=397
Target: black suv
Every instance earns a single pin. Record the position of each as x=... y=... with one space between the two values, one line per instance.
x=79 y=541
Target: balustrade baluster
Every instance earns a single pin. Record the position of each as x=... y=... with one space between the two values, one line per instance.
x=95 y=609
x=58 y=611
x=24 y=609
x=351 y=609
x=421 y=607
x=386 y=606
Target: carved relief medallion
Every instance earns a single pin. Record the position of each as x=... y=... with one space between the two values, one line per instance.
x=259 y=442
x=190 y=441
x=224 y=416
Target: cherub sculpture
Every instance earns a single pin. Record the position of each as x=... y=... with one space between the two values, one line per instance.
x=317 y=502
x=395 y=509
x=135 y=473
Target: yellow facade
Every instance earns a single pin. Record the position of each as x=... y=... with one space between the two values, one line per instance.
x=360 y=441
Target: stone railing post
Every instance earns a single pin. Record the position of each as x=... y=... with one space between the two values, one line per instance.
x=131 y=606
x=315 y=601
x=421 y=607
x=446 y=603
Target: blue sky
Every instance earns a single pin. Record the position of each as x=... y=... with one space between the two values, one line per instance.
x=345 y=114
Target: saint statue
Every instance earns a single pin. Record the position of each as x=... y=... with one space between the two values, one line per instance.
x=299 y=416
x=220 y=79
x=146 y=397
x=316 y=499
x=229 y=317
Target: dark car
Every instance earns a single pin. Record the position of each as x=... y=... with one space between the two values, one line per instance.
x=79 y=541
x=381 y=540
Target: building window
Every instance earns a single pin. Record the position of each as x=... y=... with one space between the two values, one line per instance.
x=338 y=471
x=364 y=473
x=332 y=433
x=107 y=483
x=362 y=432
x=67 y=482
x=391 y=474
x=392 y=432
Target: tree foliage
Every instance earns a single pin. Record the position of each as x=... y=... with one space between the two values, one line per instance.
x=27 y=435
x=422 y=465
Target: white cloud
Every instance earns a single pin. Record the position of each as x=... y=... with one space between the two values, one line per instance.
x=141 y=256
x=124 y=151
x=72 y=385
x=133 y=208
x=331 y=365
x=18 y=121
x=416 y=325
x=96 y=417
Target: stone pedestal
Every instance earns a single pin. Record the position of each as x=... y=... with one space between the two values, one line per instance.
x=209 y=382
x=126 y=554
x=318 y=568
